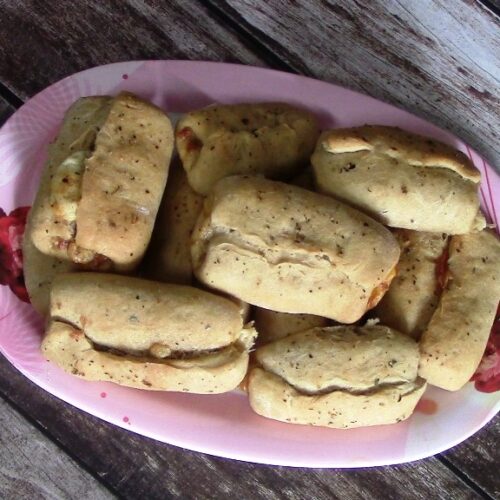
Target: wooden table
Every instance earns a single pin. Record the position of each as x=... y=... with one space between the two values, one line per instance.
x=437 y=58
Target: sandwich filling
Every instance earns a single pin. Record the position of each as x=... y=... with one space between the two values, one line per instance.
x=201 y=372
x=162 y=353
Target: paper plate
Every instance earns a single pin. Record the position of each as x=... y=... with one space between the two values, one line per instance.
x=222 y=425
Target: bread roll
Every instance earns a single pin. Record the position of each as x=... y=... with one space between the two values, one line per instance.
x=338 y=377
x=401 y=179
x=414 y=293
x=169 y=255
x=145 y=334
x=39 y=272
x=103 y=182
x=455 y=339
x=272 y=139
x=290 y=250
x=272 y=325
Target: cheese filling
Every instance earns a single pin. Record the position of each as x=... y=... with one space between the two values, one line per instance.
x=65 y=195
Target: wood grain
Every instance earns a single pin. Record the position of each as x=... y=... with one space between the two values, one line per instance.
x=470 y=457
x=434 y=60
x=429 y=59
x=31 y=466
x=439 y=60
x=45 y=41
x=137 y=467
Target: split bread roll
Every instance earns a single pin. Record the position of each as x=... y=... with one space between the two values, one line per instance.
x=401 y=179
x=169 y=255
x=273 y=325
x=414 y=293
x=291 y=250
x=455 y=339
x=272 y=139
x=338 y=377
x=145 y=334
x=103 y=182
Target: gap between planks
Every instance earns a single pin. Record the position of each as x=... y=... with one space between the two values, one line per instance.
x=41 y=462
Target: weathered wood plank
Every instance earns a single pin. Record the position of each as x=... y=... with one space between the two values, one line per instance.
x=137 y=467
x=439 y=61
x=470 y=456
x=429 y=59
x=45 y=41
x=32 y=466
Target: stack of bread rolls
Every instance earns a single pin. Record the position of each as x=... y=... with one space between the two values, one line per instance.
x=332 y=276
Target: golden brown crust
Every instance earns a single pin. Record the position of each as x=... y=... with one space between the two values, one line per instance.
x=103 y=182
x=342 y=358
x=132 y=314
x=290 y=250
x=124 y=181
x=401 y=179
x=454 y=341
x=272 y=139
x=415 y=149
x=338 y=377
x=77 y=133
x=169 y=254
x=413 y=295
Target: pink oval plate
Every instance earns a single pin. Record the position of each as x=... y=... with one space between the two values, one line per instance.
x=221 y=425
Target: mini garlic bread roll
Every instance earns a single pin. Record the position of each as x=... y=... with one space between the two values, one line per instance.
x=39 y=272
x=454 y=341
x=169 y=255
x=291 y=250
x=103 y=182
x=338 y=377
x=272 y=325
x=272 y=139
x=145 y=334
x=401 y=179
x=414 y=293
